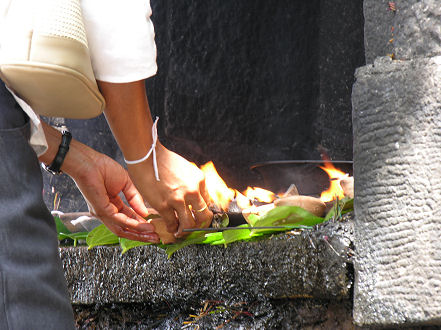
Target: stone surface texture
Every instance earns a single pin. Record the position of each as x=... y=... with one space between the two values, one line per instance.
x=313 y=264
x=341 y=52
x=397 y=139
x=413 y=29
x=417 y=29
x=379 y=26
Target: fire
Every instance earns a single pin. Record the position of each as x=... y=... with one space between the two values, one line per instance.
x=216 y=186
x=222 y=195
x=335 y=190
x=243 y=201
x=260 y=194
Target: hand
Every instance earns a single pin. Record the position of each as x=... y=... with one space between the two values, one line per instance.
x=180 y=193
x=100 y=180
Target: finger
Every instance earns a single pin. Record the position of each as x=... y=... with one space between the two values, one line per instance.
x=123 y=208
x=134 y=199
x=98 y=201
x=204 y=218
x=204 y=192
x=200 y=210
x=125 y=233
x=170 y=219
x=186 y=220
x=123 y=221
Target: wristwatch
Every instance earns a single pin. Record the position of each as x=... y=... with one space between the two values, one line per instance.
x=54 y=167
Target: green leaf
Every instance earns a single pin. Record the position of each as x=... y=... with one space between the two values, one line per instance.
x=349 y=205
x=214 y=238
x=252 y=219
x=193 y=238
x=231 y=236
x=127 y=244
x=62 y=230
x=287 y=215
x=101 y=235
x=79 y=235
x=339 y=208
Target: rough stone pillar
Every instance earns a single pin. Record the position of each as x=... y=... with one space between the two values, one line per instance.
x=397 y=168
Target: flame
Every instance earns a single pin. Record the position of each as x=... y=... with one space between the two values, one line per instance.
x=222 y=195
x=260 y=194
x=335 y=190
x=216 y=186
x=243 y=201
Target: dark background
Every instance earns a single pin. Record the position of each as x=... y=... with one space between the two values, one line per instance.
x=245 y=81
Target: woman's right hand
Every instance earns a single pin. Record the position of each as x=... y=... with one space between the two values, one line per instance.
x=180 y=197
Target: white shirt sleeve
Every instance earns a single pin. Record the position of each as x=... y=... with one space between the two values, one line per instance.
x=121 y=39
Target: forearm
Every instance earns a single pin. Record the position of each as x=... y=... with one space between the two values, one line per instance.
x=128 y=114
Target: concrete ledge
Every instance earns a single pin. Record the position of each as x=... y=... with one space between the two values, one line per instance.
x=313 y=264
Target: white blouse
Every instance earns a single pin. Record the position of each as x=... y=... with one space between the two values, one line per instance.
x=121 y=41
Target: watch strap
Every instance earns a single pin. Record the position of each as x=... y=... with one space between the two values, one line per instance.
x=56 y=164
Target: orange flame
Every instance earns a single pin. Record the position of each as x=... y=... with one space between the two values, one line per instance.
x=260 y=194
x=243 y=201
x=335 y=190
x=216 y=186
x=222 y=195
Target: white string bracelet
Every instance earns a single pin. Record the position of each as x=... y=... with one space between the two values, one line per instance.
x=151 y=151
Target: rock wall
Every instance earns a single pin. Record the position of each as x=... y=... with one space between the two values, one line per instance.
x=397 y=138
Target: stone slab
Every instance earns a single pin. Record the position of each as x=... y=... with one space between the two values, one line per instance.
x=397 y=139
x=313 y=264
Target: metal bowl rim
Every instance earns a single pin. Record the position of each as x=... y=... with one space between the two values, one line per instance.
x=287 y=162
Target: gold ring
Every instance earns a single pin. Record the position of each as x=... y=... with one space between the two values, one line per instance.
x=201 y=210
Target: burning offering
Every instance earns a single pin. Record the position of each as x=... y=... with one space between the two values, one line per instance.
x=258 y=201
x=244 y=216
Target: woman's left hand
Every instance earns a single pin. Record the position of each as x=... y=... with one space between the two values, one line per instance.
x=101 y=180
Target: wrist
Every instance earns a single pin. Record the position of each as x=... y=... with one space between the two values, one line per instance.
x=77 y=159
x=55 y=166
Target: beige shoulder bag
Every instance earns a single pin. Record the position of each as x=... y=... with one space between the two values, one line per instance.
x=45 y=60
